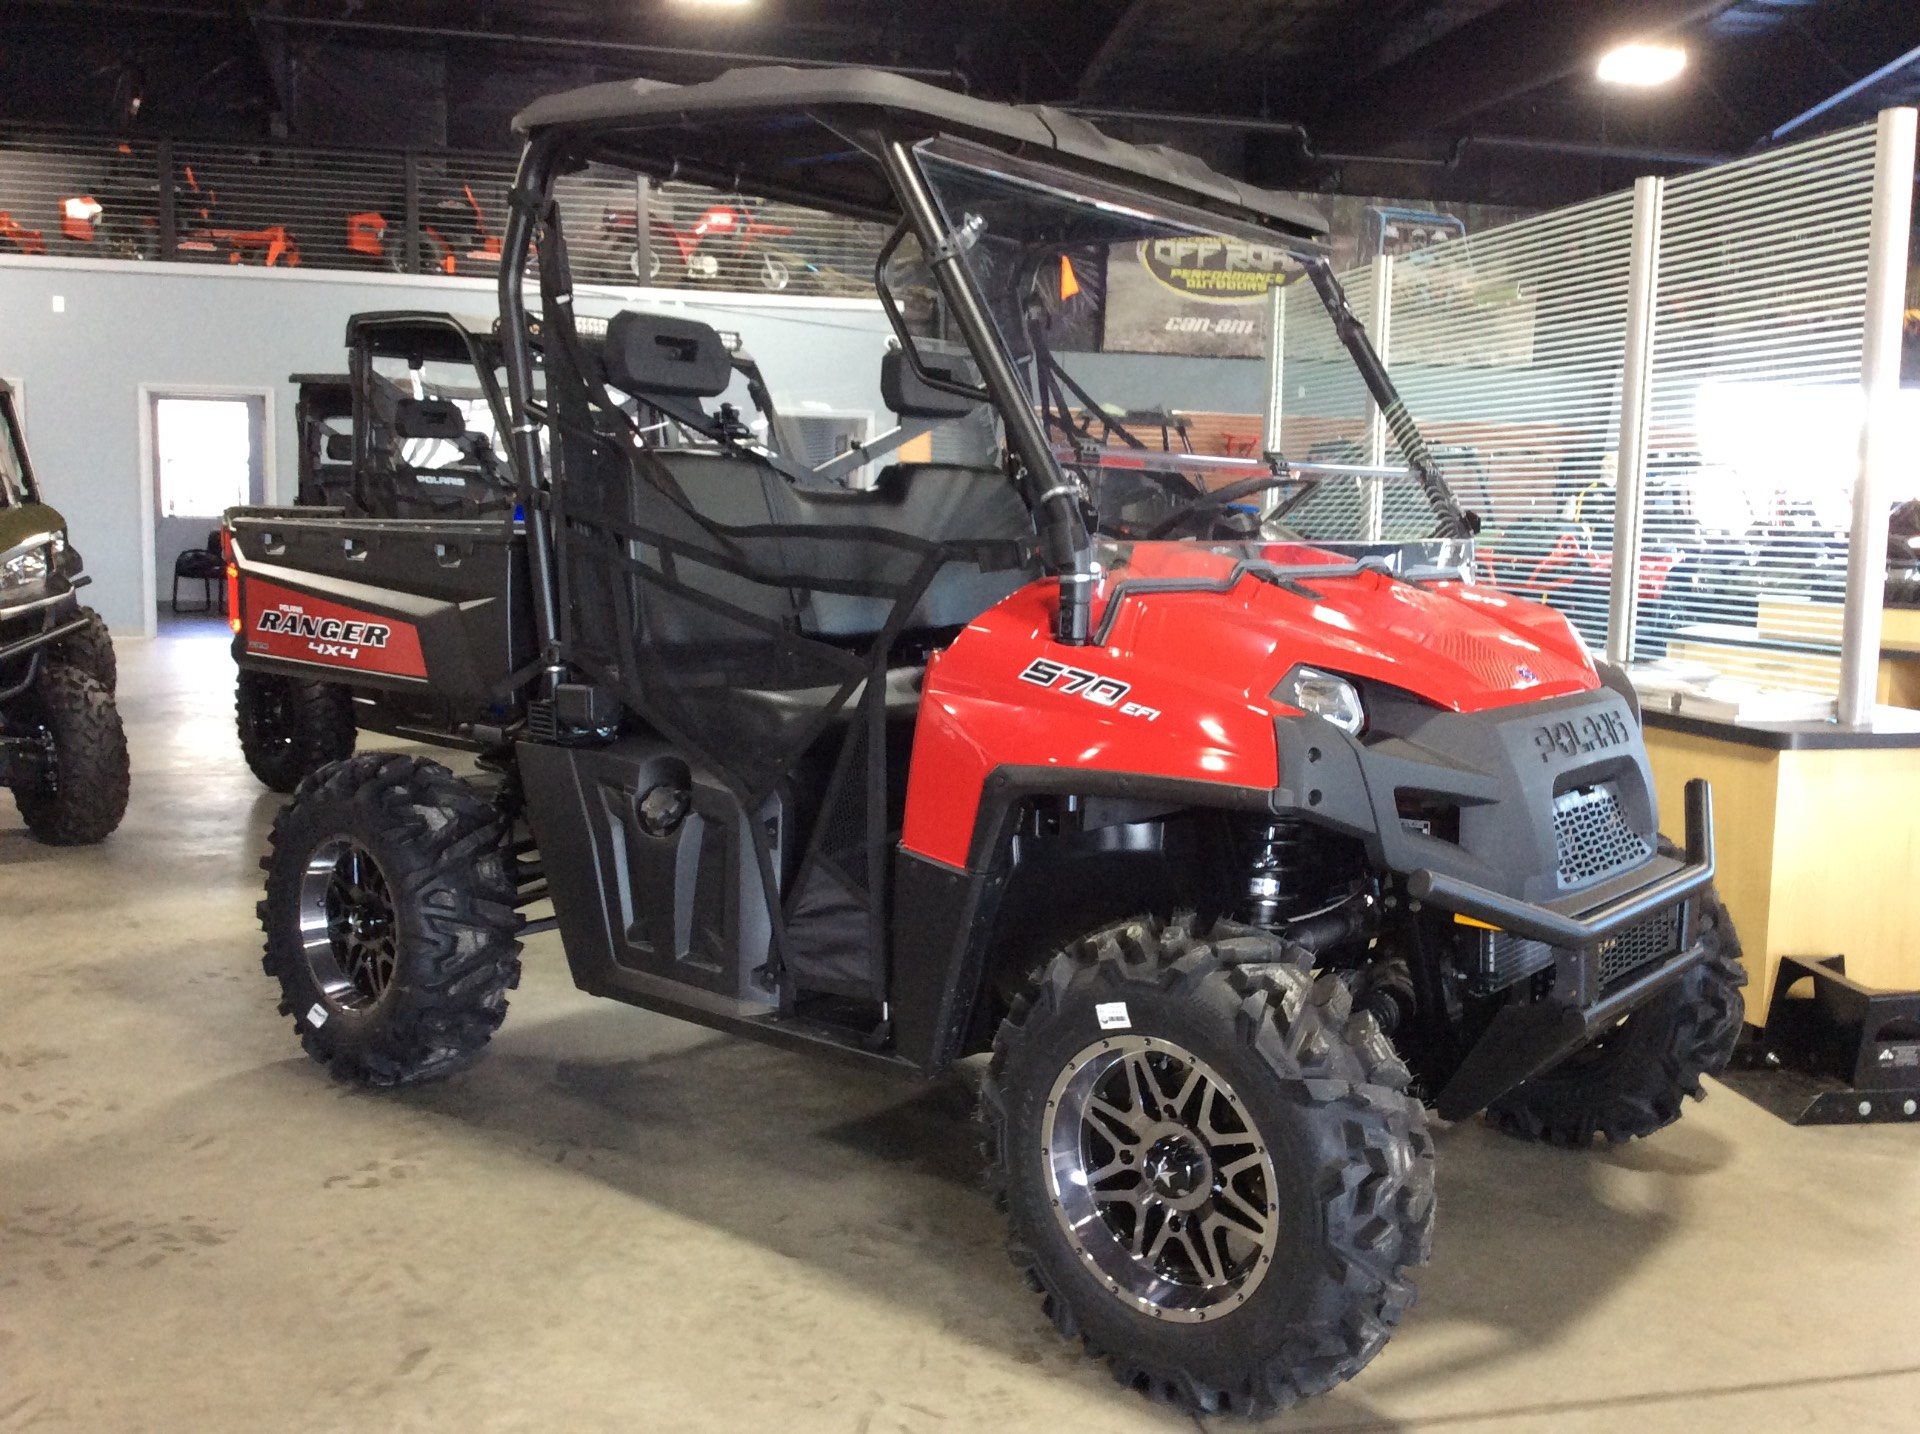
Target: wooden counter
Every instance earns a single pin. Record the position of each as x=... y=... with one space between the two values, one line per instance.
x=1818 y=837
x=1795 y=642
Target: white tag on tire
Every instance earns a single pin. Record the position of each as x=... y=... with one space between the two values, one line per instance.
x=1112 y=1016
x=317 y=1016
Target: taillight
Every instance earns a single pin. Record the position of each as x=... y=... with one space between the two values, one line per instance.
x=233 y=579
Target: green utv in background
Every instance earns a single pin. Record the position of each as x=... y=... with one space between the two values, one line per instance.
x=62 y=749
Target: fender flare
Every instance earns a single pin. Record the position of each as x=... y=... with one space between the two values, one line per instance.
x=943 y=916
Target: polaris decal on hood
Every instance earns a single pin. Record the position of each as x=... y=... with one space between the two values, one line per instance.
x=298 y=627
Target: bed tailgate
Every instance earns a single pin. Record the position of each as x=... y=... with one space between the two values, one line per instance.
x=438 y=605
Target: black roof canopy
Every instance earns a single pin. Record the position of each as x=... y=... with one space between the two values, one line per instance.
x=781 y=131
x=422 y=333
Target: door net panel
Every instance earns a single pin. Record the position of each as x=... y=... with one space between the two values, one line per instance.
x=701 y=588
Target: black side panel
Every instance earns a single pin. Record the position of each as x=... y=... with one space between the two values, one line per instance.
x=652 y=869
x=941 y=915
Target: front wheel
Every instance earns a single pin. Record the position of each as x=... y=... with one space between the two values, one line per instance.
x=1211 y=1167
x=70 y=774
x=1634 y=1078
x=90 y=649
x=290 y=729
x=389 y=918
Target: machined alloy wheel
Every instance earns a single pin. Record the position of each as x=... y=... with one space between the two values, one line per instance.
x=1212 y=1169
x=389 y=917
x=1159 y=1177
x=346 y=923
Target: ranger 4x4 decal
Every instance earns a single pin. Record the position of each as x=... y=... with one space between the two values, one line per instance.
x=299 y=627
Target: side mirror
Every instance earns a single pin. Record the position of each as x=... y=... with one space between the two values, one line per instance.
x=428 y=418
x=339 y=448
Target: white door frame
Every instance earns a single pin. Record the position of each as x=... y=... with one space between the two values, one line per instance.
x=149 y=472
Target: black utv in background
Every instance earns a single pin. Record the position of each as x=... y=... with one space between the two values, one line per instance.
x=409 y=436
x=404 y=478
x=62 y=749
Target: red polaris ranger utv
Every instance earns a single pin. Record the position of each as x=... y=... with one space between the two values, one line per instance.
x=1237 y=845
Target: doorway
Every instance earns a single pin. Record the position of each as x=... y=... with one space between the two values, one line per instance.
x=207 y=453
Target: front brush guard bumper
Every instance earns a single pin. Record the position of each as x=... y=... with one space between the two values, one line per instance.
x=1525 y=1038
x=53 y=617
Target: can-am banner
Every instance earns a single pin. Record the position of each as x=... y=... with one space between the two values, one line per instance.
x=1192 y=294
x=1206 y=295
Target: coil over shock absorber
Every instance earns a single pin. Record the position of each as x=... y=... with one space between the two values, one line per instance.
x=1280 y=872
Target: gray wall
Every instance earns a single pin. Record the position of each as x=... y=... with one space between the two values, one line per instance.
x=183 y=326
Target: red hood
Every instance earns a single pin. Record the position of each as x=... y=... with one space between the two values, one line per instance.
x=1178 y=686
x=1460 y=646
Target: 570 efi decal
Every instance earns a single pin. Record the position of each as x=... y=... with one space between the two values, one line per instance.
x=1107 y=691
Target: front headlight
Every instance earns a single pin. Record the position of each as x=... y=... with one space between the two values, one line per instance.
x=20 y=568
x=1324 y=695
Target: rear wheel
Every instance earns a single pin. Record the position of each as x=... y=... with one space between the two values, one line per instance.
x=290 y=729
x=1633 y=1079
x=71 y=779
x=1211 y=1167
x=389 y=919
x=90 y=650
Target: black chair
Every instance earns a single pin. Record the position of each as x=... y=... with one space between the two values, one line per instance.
x=208 y=567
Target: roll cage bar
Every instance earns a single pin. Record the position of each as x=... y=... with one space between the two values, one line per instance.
x=11 y=435
x=817 y=139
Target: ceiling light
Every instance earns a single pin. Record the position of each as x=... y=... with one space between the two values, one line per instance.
x=1641 y=65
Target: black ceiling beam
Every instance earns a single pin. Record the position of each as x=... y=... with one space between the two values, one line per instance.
x=1859 y=87
x=399 y=30
x=1863 y=47
x=1122 y=31
x=1503 y=54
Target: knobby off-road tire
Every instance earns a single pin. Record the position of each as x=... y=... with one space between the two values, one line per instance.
x=389 y=919
x=73 y=790
x=1281 y=1313
x=289 y=729
x=90 y=650
x=1633 y=1079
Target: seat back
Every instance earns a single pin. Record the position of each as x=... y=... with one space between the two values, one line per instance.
x=936 y=502
x=930 y=501
x=731 y=490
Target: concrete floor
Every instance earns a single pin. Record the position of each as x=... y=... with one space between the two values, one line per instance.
x=621 y=1222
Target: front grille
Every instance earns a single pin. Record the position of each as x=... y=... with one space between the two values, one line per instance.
x=1645 y=941
x=1501 y=958
x=542 y=725
x=1591 y=832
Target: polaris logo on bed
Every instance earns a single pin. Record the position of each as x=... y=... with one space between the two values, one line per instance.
x=329 y=636
x=1107 y=691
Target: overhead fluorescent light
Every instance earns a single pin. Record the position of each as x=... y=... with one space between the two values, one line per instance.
x=717 y=4
x=1641 y=65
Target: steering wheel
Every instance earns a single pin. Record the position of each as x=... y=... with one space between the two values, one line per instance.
x=1217 y=498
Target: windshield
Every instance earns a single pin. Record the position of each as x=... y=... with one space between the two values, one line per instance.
x=1142 y=332
x=15 y=484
